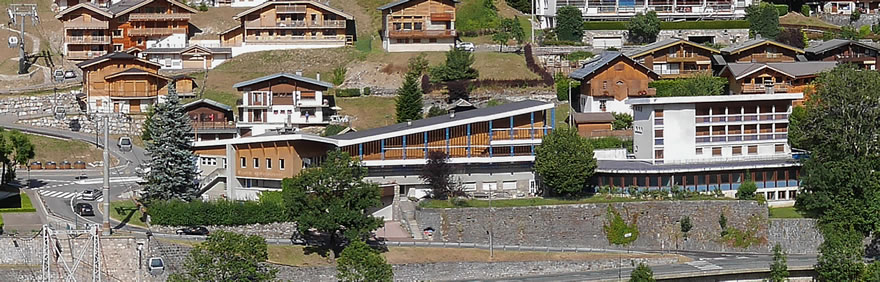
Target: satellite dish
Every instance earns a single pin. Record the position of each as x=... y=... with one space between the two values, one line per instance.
x=13 y=41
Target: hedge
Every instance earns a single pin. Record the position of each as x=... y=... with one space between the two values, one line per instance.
x=24 y=204
x=673 y=87
x=736 y=24
x=350 y=92
x=782 y=9
x=270 y=208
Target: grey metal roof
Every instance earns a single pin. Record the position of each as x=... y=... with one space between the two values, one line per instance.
x=283 y=74
x=834 y=43
x=398 y=2
x=662 y=43
x=114 y=55
x=719 y=60
x=748 y=44
x=638 y=166
x=209 y=102
x=594 y=117
x=795 y=69
x=801 y=58
x=441 y=119
x=123 y=5
x=216 y=50
x=603 y=59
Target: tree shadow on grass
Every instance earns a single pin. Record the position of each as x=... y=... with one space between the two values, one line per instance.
x=129 y=212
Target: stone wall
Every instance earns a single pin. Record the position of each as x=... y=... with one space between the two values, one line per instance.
x=722 y=36
x=582 y=225
x=119 y=123
x=278 y=230
x=118 y=254
x=797 y=236
x=843 y=20
x=40 y=111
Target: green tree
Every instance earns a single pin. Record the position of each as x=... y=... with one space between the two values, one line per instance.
x=437 y=172
x=644 y=28
x=795 y=133
x=458 y=66
x=333 y=199
x=146 y=134
x=360 y=262
x=841 y=253
x=227 y=256
x=476 y=16
x=565 y=86
x=436 y=111
x=622 y=121
x=805 y=10
x=509 y=29
x=642 y=273
x=686 y=225
x=417 y=65
x=501 y=38
x=565 y=162
x=747 y=188
x=779 y=266
x=338 y=75
x=700 y=84
x=855 y=16
x=848 y=32
x=872 y=272
x=21 y=148
x=763 y=20
x=524 y=6
x=408 y=103
x=792 y=36
x=173 y=170
x=569 y=24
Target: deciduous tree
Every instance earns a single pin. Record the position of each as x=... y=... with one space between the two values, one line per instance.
x=360 y=262
x=841 y=255
x=333 y=199
x=565 y=162
x=763 y=20
x=569 y=24
x=792 y=36
x=173 y=171
x=622 y=121
x=437 y=172
x=747 y=188
x=227 y=256
x=642 y=273
x=644 y=28
x=779 y=266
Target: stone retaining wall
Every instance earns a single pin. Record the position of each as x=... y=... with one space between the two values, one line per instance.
x=797 y=235
x=582 y=226
x=40 y=111
x=277 y=230
x=118 y=254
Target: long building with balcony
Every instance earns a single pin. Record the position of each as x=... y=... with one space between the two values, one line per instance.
x=769 y=78
x=91 y=31
x=282 y=100
x=845 y=51
x=288 y=25
x=675 y=57
x=493 y=149
x=760 y=50
x=545 y=10
x=122 y=83
x=418 y=25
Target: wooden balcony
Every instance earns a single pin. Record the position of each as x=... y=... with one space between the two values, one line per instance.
x=133 y=93
x=762 y=88
x=298 y=39
x=290 y=9
x=212 y=125
x=682 y=73
x=87 y=39
x=442 y=16
x=256 y=24
x=144 y=17
x=684 y=58
x=80 y=24
x=771 y=57
x=155 y=31
x=84 y=55
x=421 y=33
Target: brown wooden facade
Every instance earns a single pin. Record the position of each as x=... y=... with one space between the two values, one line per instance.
x=619 y=79
x=765 y=52
x=158 y=18
x=419 y=22
x=865 y=57
x=119 y=76
x=291 y=22
x=276 y=160
x=682 y=59
x=86 y=32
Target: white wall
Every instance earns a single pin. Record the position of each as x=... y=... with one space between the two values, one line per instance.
x=679 y=133
x=419 y=47
x=643 y=132
x=593 y=104
x=177 y=40
x=253 y=47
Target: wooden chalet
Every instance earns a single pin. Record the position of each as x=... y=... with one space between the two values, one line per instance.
x=675 y=57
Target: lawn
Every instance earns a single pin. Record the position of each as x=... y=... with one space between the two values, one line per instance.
x=788 y=212
x=801 y=20
x=58 y=150
x=502 y=66
x=215 y=21
x=562 y=114
x=369 y=112
x=126 y=212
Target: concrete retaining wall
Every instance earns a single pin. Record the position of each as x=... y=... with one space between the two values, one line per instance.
x=722 y=36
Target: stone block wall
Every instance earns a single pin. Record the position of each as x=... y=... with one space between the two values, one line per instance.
x=118 y=254
x=582 y=225
x=278 y=230
x=39 y=111
x=797 y=235
x=119 y=124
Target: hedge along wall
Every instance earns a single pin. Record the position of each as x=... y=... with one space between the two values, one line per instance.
x=737 y=24
x=270 y=208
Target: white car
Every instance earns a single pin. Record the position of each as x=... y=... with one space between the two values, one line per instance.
x=91 y=195
x=466 y=46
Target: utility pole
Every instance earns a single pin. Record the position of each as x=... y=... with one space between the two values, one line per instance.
x=106 y=192
x=491 y=227
x=534 y=9
x=17 y=14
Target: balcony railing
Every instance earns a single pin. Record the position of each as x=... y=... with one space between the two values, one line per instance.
x=155 y=31
x=421 y=33
x=742 y=137
x=680 y=72
x=80 y=24
x=762 y=88
x=442 y=16
x=87 y=39
x=134 y=93
x=159 y=17
x=771 y=57
x=212 y=125
x=742 y=117
x=500 y=134
x=684 y=57
x=296 y=39
x=84 y=55
x=297 y=24
x=290 y=9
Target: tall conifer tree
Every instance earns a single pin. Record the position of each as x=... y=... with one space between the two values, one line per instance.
x=173 y=163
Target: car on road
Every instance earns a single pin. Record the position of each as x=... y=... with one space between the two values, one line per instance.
x=84 y=209
x=195 y=230
x=124 y=144
x=91 y=195
x=466 y=46
x=156 y=265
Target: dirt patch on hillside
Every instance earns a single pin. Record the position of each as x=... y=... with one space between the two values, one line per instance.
x=215 y=21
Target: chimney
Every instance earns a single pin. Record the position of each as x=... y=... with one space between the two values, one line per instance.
x=318 y=76
x=451 y=113
x=408 y=123
x=299 y=72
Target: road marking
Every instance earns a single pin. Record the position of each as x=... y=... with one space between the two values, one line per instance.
x=99 y=199
x=112 y=179
x=704 y=265
x=57 y=194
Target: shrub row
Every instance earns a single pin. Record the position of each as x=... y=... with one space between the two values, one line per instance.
x=352 y=92
x=534 y=67
x=679 y=87
x=427 y=86
x=268 y=209
x=736 y=24
x=782 y=9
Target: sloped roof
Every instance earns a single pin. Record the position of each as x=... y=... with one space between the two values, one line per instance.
x=657 y=45
x=596 y=117
x=126 y=6
x=136 y=71
x=84 y=5
x=213 y=50
x=398 y=2
x=111 y=56
x=719 y=60
x=794 y=69
x=316 y=3
x=751 y=43
x=601 y=61
x=209 y=102
x=283 y=74
x=835 y=43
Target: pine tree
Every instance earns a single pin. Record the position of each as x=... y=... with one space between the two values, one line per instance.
x=172 y=165
x=409 y=99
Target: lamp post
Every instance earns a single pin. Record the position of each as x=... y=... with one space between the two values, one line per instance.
x=491 y=233
x=570 y=107
x=106 y=190
x=620 y=259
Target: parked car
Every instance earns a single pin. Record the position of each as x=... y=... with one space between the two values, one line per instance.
x=124 y=144
x=69 y=74
x=466 y=46
x=195 y=230
x=156 y=265
x=84 y=209
x=91 y=195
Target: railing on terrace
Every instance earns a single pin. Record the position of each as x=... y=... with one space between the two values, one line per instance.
x=771 y=57
x=681 y=72
x=155 y=31
x=742 y=137
x=290 y=9
x=159 y=17
x=741 y=117
x=761 y=88
x=89 y=39
x=92 y=24
x=519 y=133
x=743 y=158
x=454 y=151
x=421 y=33
x=212 y=125
x=314 y=24
x=142 y=93
x=84 y=55
x=296 y=39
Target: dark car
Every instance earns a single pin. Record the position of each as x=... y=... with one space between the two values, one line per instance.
x=198 y=230
x=84 y=209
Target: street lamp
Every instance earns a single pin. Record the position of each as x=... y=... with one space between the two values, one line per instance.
x=620 y=259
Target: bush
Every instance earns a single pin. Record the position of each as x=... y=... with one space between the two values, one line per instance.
x=565 y=86
x=350 y=92
x=578 y=55
x=332 y=129
x=781 y=9
x=805 y=10
x=616 y=228
x=268 y=209
x=698 y=85
x=203 y=7
x=610 y=142
x=737 y=24
x=366 y=91
x=561 y=43
x=364 y=44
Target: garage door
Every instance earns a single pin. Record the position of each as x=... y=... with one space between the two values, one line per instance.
x=605 y=42
x=193 y=63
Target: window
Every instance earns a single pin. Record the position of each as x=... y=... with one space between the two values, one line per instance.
x=243 y=162
x=698 y=151
x=658 y=154
x=780 y=148
x=432 y=40
x=268 y=163
x=753 y=149
x=117 y=48
x=281 y=164
x=605 y=84
x=716 y=151
x=117 y=33
x=256 y=163
x=737 y=150
x=602 y=105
